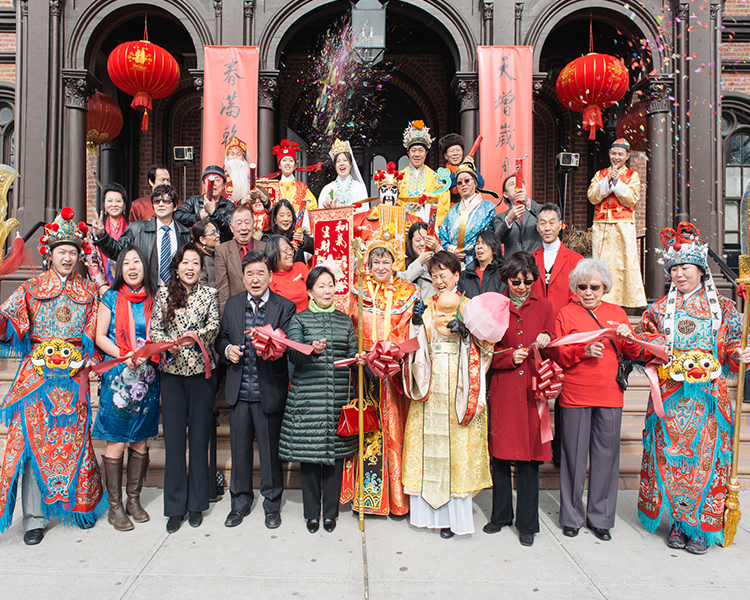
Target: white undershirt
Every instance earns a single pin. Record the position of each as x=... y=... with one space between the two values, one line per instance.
x=688 y=294
x=550 y=253
x=287 y=178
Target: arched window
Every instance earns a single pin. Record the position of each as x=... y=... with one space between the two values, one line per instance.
x=736 y=179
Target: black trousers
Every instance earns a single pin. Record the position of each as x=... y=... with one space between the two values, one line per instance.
x=527 y=503
x=321 y=481
x=247 y=421
x=187 y=405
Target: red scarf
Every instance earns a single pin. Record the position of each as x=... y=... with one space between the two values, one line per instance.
x=124 y=323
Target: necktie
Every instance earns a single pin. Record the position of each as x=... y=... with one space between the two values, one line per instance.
x=257 y=302
x=243 y=251
x=166 y=254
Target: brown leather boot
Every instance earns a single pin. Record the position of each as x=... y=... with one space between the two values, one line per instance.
x=137 y=468
x=113 y=473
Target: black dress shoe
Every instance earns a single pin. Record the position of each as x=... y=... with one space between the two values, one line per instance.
x=173 y=523
x=446 y=533
x=33 y=536
x=235 y=517
x=329 y=525
x=195 y=518
x=312 y=525
x=492 y=527
x=526 y=539
x=600 y=532
x=570 y=531
x=273 y=520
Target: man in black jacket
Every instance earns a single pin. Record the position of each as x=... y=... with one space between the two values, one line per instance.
x=159 y=238
x=256 y=390
x=211 y=205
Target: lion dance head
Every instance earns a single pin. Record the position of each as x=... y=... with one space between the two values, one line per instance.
x=58 y=356
x=693 y=366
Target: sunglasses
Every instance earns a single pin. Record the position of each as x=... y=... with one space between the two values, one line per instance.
x=517 y=282
x=161 y=201
x=594 y=288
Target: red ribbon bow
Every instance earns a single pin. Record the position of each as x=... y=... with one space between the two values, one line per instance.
x=384 y=358
x=546 y=385
x=270 y=343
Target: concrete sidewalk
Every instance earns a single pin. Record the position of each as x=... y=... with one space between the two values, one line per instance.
x=251 y=561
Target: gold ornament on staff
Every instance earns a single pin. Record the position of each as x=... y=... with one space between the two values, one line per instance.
x=358 y=247
x=7 y=177
x=732 y=513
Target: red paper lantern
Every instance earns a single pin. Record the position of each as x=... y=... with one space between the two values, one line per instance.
x=632 y=127
x=103 y=121
x=591 y=83
x=145 y=71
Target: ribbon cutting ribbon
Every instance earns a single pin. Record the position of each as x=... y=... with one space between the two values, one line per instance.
x=384 y=358
x=146 y=351
x=270 y=343
x=546 y=385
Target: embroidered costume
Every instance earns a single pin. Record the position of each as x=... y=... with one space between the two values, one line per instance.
x=464 y=221
x=613 y=232
x=53 y=324
x=295 y=191
x=687 y=454
x=347 y=190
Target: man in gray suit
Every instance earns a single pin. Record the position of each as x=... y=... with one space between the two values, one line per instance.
x=516 y=227
x=228 y=256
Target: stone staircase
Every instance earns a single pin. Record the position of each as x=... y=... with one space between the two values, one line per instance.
x=631 y=447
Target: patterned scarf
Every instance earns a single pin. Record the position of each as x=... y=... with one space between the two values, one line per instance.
x=124 y=323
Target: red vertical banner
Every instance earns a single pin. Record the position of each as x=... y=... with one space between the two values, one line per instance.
x=505 y=113
x=230 y=100
x=333 y=230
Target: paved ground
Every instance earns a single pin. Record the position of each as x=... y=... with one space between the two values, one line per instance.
x=251 y=561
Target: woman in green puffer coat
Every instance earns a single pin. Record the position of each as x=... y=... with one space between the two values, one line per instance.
x=316 y=396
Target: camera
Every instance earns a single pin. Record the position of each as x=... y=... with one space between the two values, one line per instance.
x=183 y=153
x=568 y=161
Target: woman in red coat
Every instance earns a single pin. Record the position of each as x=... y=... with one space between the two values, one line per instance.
x=514 y=433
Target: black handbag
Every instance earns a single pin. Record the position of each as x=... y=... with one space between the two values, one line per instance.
x=624 y=365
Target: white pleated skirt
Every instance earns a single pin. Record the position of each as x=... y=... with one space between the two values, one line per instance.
x=458 y=514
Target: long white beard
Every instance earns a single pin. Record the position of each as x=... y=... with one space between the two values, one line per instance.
x=239 y=171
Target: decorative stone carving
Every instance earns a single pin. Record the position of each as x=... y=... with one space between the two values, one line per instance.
x=218 y=8
x=249 y=8
x=681 y=12
x=519 y=10
x=55 y=8
x=466 y=86
x=488 y=10
x=79 y=87
x=24 y=8
x=715 y=10
x=659 y=93
x=268 y=89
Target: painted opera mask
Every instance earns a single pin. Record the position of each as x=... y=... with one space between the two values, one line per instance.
x=388 y=194
x=445 y=311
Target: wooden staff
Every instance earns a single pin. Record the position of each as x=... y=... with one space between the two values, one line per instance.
x=732 y=513
x=361 y=376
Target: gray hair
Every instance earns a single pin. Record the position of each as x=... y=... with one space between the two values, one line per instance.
x=586 y=269
x=377 y=252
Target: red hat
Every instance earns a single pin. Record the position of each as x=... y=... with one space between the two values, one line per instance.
x=286 y=148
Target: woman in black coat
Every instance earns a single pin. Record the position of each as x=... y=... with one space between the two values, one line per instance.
x=483 y=273
x=316 y=396
x=283 y=221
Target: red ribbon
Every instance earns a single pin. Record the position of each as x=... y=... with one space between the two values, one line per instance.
x=146 y=351
x=270 y=343
x=384 y=358
x=546 y=385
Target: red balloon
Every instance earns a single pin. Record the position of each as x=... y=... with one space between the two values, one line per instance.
x=591 y=83
x=145 y=71
x=103 y=121
x=632 y=127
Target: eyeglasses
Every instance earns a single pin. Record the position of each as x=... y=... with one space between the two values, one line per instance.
x=161 y=201
x=594 y=288
x=286 y=250
x=517 y=282
x=211 y=234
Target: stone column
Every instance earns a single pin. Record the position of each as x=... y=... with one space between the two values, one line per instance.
x=52 y=200
x=488 y=22
x=659 y=207
x=682 y=132
x=79 y=86
x=218 y=10
x=466 y=87
x=110 y=162
x=517 y=24
x=268 y=92
x=247 y=18
x=717 y=148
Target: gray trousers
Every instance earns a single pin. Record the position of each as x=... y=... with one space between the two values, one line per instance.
x=589 y=434
x=31 y=501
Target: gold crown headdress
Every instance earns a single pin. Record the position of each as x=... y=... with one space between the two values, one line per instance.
x=417 y=133
x=236 y=143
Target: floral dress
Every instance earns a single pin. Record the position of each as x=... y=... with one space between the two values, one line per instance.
x=129 y=400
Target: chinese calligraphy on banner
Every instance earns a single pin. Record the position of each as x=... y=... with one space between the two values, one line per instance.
x=505 y=112
x=332 y=231
x=230 y=100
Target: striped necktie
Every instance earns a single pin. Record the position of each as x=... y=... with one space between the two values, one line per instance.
x=165 y=255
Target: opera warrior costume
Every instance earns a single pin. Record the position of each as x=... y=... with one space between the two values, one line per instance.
x=295 y=191
x=687 y=453
x=446 y=458
x=52 y=323
x=613 y=231
x=387 y=313
x=423 y=180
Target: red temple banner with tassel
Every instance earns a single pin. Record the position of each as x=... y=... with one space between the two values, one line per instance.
x=230 y=101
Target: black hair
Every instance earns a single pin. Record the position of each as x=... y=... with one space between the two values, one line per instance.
x=505 y=181
x=198 y=230
x=256 y=256
x=152 y=172
x=119 y=280
x=347 y=156
x=283 y=203
x=411 y=256
x=490 y=238
x=444 y=260
x=116 y=187
x=519 y=262
x=315 y=274
x=273 y=251
x=165 y=190
x=176 y=292
x=550 y=207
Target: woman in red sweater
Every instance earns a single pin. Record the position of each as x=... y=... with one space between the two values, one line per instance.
x=288 y=277
x=591 y=402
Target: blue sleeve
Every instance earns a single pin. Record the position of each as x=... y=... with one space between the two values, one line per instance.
x=109 y=299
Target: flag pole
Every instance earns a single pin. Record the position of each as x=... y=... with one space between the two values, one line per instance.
x=360 y=383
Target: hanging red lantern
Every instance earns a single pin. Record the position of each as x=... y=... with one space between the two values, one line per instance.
x=145 y=71
x=632 y=126
x=591 y=83
x=103 y=121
